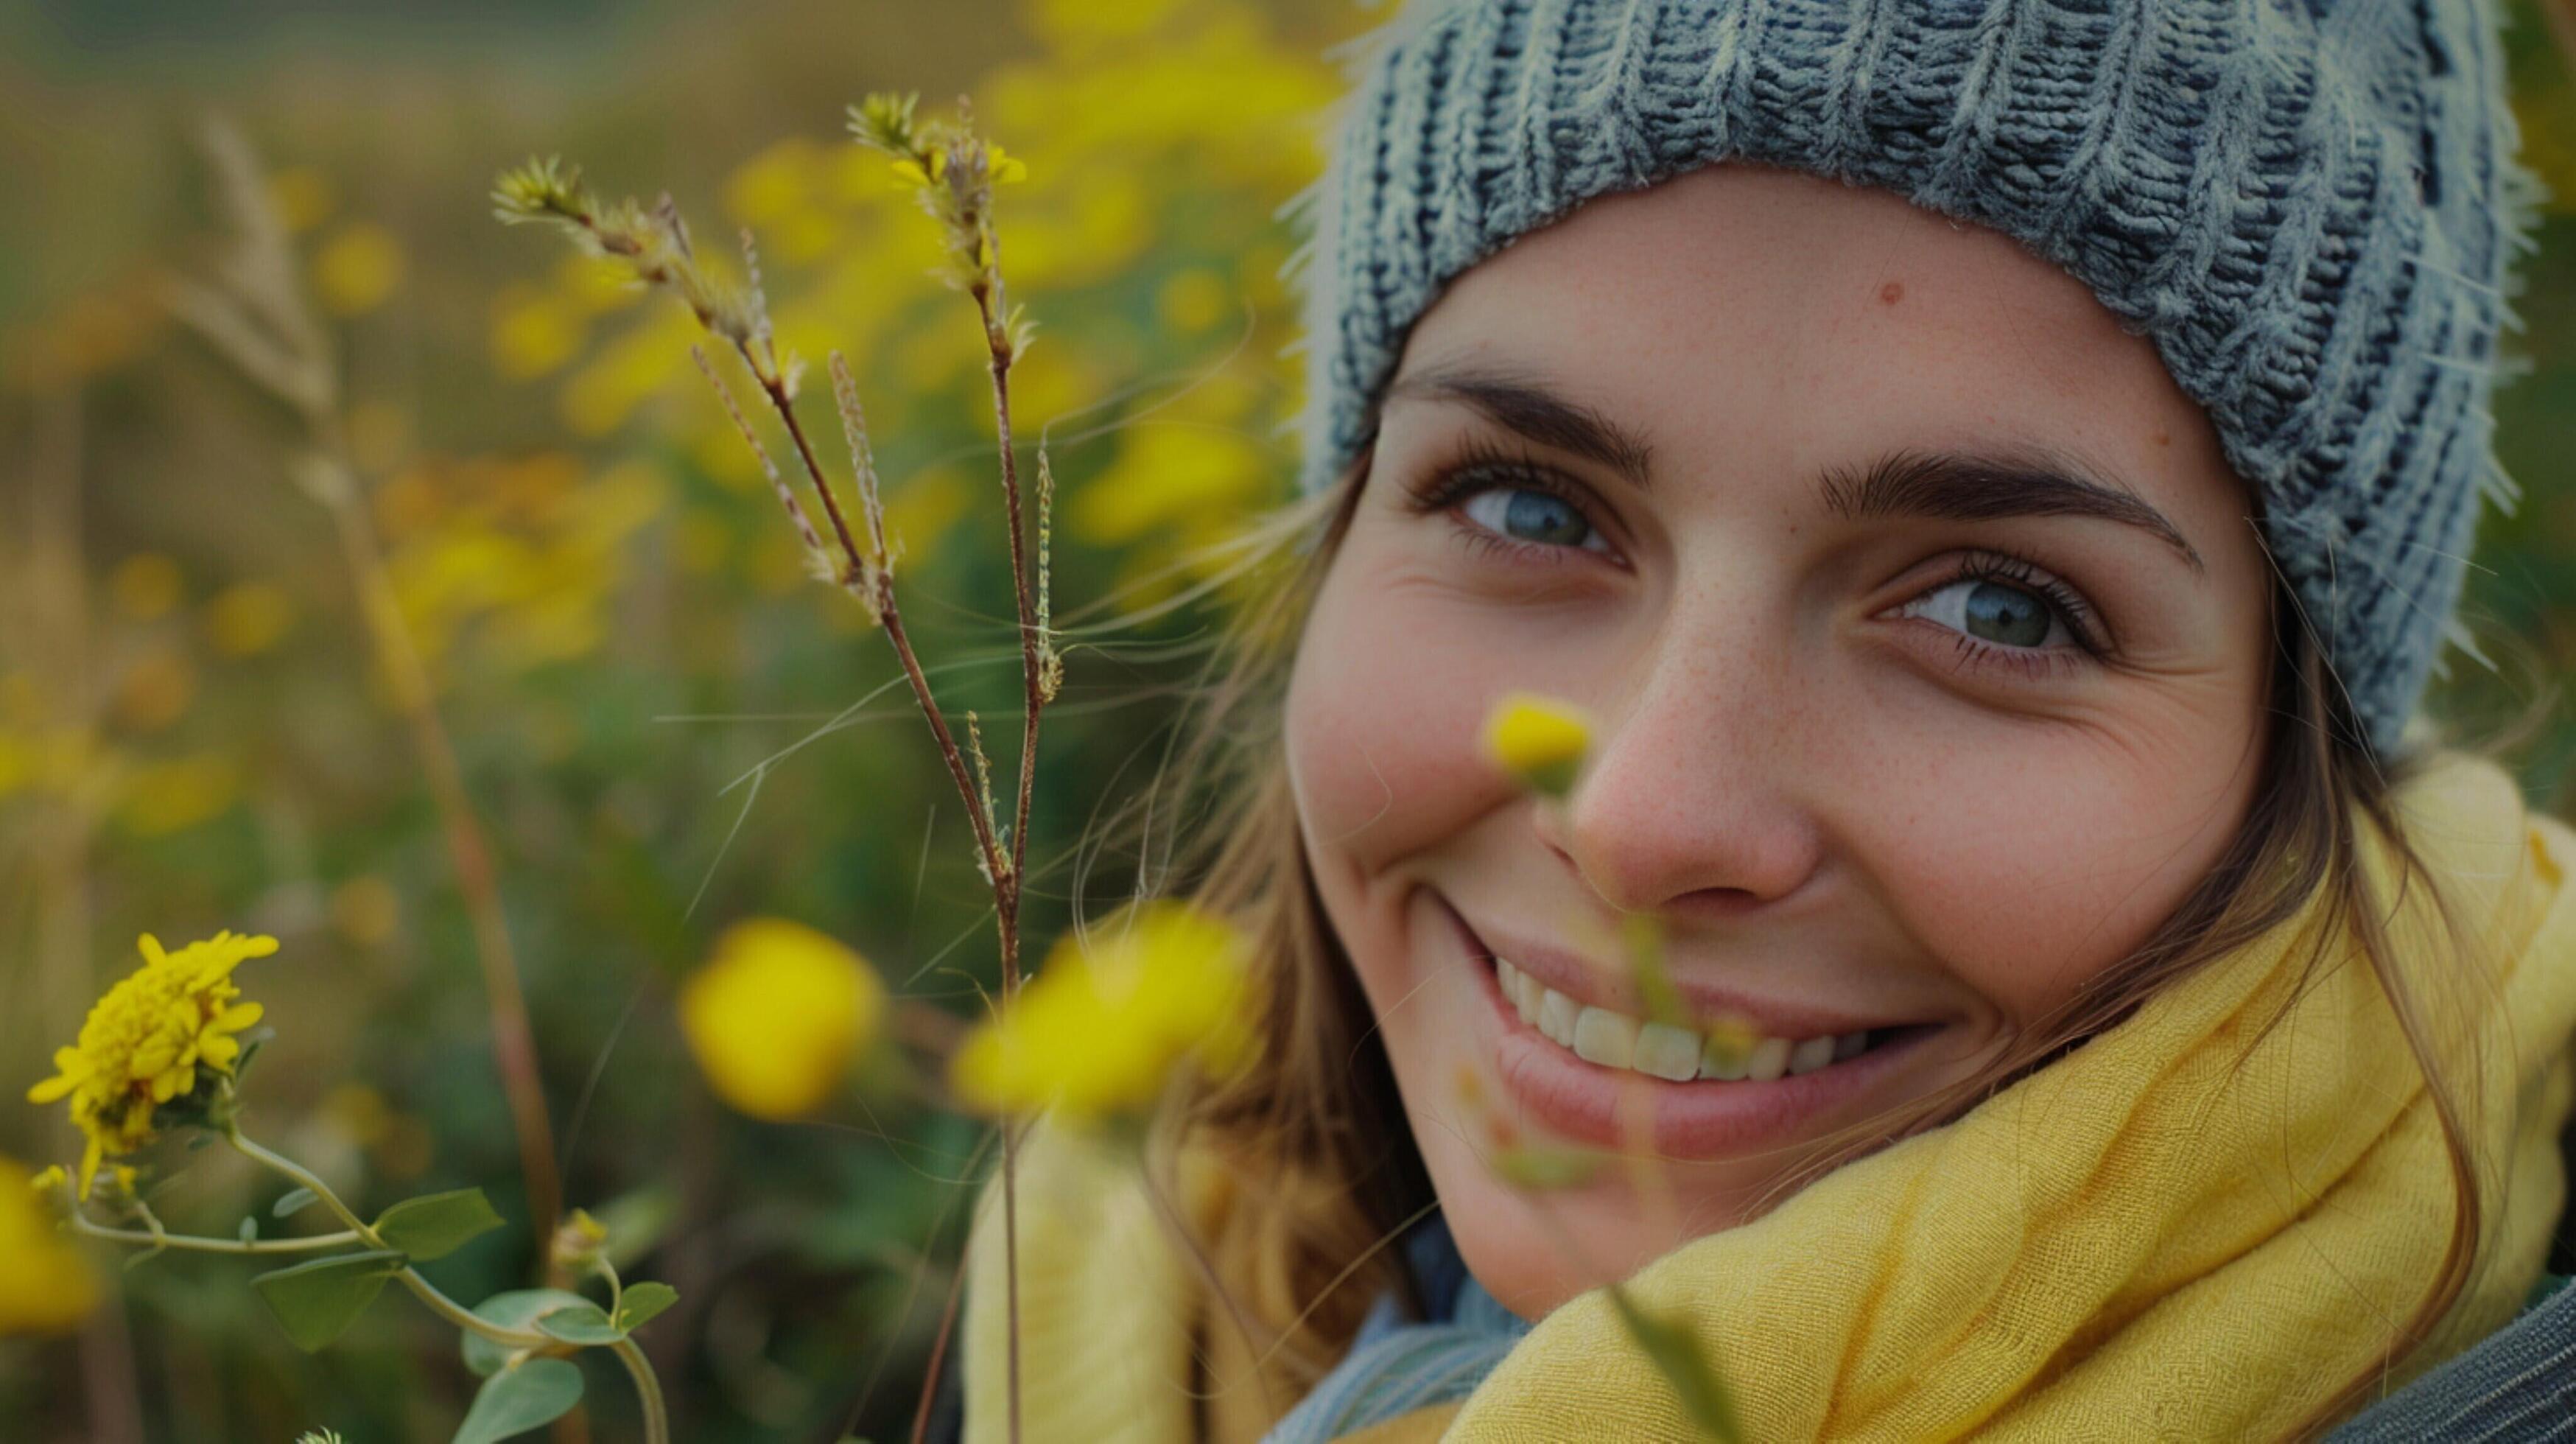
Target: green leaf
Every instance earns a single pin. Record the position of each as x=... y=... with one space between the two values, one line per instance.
x=1678 y=1357
x=317 y=1301
x=585 y=1323
x=295 y=1202
x=516 y=1309
x=249 y=1229
x=438 y=1224
x=514 y=1401
x=641 y=1302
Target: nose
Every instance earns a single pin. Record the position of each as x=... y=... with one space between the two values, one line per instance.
x=1691 y=803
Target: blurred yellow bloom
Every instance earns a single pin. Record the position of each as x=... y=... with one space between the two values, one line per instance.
x=144 y=586
x=175 y=794
x=1539 y=740
x=1194 y=300
x=1006 y=168
x=1167 y=475
x=366 y=910
x=534 y=331
x=1103 y=1026
x=248 y=618
x=778 y=1014
x=301 y=196
x=144 y=1042
x=358 y=268
x=45 y=1286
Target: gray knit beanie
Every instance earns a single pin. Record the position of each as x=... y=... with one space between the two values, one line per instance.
x=2310 y=206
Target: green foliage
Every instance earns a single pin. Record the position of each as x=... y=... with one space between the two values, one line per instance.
x=585 y=1324
x=641 y=1302
x=516 y=1309
x=317 y=1302
x=438 y=1224
x=525 y=1396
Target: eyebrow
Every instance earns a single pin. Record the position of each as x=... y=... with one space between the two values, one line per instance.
x=2020 y=480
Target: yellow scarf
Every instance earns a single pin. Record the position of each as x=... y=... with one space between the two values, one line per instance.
x=2191 y=1227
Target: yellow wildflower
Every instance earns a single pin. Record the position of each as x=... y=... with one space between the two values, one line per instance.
x=1103 y=1025
x=144 y=1043
x=45 y=1287
x=1005 y=168
x=1539 y=740
x=920 y=173
x=248 y=618
x=358 y=268
x=777 y=1016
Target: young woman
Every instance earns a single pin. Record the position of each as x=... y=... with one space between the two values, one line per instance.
x=1998 y=475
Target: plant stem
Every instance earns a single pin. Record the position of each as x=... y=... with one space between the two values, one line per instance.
x=776 y=392
x=257 y=316
x=196 y=1243
x=514 y=1046
x=648 y=1388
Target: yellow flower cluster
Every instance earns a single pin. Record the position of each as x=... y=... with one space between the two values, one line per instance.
x=778 y=1015
x=143 y=1044
x=1102 y=1027
x=918 y=174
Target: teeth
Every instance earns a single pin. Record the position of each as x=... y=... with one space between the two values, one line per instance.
x=1768 y=1060
x=1606 y=1038
x=1661 y=1050
x=1518 y=989
x=1667 y=1052
x=1721 y=1059
x=1556 y=1017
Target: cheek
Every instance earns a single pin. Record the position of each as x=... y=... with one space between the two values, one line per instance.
x=1383 y=712
x=2030 y=880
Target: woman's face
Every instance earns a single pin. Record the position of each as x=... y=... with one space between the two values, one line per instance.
x=1926 y=634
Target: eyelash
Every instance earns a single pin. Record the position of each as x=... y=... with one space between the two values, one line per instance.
x=1481 y=465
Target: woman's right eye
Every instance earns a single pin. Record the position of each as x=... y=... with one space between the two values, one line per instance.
x=1532 y=517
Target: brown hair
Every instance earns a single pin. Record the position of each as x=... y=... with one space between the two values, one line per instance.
x=1319 y=1116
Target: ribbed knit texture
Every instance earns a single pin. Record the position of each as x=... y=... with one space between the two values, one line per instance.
x=2311 y=208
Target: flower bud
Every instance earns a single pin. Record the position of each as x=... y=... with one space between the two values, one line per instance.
x=1539 y=740
x=777 y=1016
x=578 y=1241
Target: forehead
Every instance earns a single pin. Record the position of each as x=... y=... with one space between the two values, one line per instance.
x=1832 y=314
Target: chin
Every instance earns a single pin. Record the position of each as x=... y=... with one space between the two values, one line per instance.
x=1534 y=1250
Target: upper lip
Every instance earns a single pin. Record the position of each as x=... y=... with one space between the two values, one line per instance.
x=1611 y=987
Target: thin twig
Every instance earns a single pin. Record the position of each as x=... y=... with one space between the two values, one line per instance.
x=259 y=320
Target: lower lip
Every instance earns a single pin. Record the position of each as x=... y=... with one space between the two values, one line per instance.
x=1606 y=1107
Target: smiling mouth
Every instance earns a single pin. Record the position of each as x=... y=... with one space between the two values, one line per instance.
x=1676 y=1054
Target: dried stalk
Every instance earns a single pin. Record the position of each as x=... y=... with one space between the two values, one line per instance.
x=254 y=314
x=955 y=172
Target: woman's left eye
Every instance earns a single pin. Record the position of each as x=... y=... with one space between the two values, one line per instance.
x=1533 y=518
x=1995 y=612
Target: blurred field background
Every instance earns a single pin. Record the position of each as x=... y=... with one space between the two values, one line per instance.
x=663 y=726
